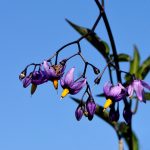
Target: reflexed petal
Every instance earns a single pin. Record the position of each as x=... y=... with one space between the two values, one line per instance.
x=62 y=82
x=130 y=90
x=107 y=88
x=115 y=91
x=120 y=96
x=146 y=85
x=120 y=85
x=78 y=85
x=138 y=87
x=68 y=79
x=50 y=72
x=26 y=81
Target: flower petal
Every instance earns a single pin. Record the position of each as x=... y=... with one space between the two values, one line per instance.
x=50 y=72
x=139 y=89
x=78 y=85
x=130 y=90
x=115 y=91
x=68 y=79
x=26 y=81
x=146 y=85
x=62 y=82
x=107 y=88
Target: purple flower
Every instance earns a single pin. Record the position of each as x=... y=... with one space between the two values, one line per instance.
x=138 y=87
x=79 y=112
x=53 y=73
x=27 y=81
x=90 y=107
x=69 y=85
x=36 y=77
x=113 y=93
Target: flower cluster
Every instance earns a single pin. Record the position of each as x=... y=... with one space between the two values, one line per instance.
x=118 y=92
x=53 y=73
x=113 y=93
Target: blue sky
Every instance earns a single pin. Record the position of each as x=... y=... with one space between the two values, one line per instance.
x=31 y=31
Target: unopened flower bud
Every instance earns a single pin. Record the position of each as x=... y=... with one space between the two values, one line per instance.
x=114 y=114
x=97 y=80
x=96 y=70
x=127 y=114
x=22 y=74
x=90 y=107
x=79 y=111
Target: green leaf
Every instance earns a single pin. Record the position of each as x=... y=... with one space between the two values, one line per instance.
x=99 y=44
x=134 y=64
x=144 y=69
x=124 y=57
x=33 y=89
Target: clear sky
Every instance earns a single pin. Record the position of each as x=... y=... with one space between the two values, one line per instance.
x=31 y=31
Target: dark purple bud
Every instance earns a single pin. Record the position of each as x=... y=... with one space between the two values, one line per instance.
x=127 y=114
x=96 y=70
x=90 y=107
x=22 y=74
x=97 y=80
x=79 y=111
x=114 y=114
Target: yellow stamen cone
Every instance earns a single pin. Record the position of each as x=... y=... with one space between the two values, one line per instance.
x=55 y=83
x=64 y=92
x=107 y=104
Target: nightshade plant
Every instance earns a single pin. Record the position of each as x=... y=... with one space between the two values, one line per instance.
x=123 y=90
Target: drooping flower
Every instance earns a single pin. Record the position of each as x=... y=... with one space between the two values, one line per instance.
x=79 y=111
x=69 y=85
x=36 y=78
x=54 y=72
x=113 y=93
x=138 y=86
x=90 y=107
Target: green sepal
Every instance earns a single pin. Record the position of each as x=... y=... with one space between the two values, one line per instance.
x=33 y=88
x=123 y=57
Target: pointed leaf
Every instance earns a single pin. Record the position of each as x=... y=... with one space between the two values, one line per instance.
x=33 y=89
x=144 y=68
x=123 y=57
x=134 y=64
x=100 y=45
